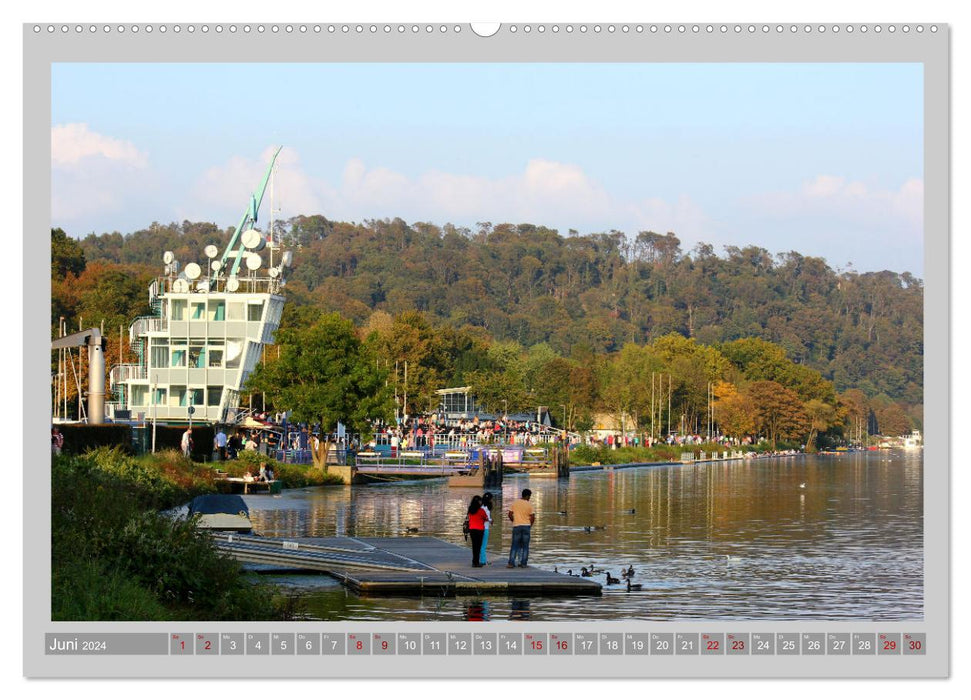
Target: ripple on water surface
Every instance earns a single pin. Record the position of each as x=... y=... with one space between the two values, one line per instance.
x=814 y=538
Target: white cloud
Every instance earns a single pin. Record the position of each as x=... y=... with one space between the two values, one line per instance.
x=227 y=187
x=544 y=192
x=93 y=175
x=73 y=144
x=870 y=226
x=855 y=202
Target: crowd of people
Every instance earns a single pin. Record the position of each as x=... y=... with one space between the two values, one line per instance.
x=433 y=429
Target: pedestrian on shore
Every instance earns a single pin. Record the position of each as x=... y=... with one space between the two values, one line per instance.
x=233 y=446
x=221 y=441
x=57 y=441
x=477 y=517
x=487 y=507
x=521 y=515
x=187 y=443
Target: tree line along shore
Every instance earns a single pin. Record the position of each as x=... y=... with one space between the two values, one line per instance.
x=583 y=324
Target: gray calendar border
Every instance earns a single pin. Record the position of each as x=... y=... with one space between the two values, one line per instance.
x=932 y=49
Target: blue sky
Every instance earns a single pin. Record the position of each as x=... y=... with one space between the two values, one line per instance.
x=825 y=159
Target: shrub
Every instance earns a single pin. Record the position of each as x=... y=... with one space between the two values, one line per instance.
x=79 y=439
x=114 y=557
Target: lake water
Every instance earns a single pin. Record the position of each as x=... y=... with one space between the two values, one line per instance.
x=801 y=538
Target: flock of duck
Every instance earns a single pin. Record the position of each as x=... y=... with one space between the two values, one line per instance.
x=626 y=574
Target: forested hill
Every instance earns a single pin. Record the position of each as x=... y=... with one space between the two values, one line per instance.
x=590 y=292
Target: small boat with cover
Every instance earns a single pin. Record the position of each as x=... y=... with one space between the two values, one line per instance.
x=222 y=511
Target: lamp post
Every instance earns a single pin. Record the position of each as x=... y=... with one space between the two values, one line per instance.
x=154 y=409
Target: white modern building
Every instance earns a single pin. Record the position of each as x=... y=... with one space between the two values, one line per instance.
x=196 y=353
x=208 y=331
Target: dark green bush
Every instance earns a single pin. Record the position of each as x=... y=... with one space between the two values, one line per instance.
x=115 y=557
x=79 y=438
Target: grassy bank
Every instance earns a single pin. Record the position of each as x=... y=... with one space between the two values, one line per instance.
x=115 y=557
x=587 y=454
x=293 y=475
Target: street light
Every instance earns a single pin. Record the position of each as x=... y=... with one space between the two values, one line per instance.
x=154 y=409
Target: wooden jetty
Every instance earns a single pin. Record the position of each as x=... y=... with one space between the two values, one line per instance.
x=403 y=566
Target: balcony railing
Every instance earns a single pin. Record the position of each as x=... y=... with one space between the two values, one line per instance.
x=124 y=373
x=145 y=324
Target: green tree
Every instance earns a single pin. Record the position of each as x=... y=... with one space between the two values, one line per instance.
x=67 y=255
x=325 y=374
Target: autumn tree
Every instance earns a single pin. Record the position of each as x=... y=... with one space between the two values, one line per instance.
x=778 y=411
x=734 y=411
x=820 y=416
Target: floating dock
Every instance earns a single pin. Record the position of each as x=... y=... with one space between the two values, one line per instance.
x=403 y=566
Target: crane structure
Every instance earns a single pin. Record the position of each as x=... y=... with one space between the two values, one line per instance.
x=96 y=344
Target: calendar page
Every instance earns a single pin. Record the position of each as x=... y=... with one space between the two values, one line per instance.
x=444 y=350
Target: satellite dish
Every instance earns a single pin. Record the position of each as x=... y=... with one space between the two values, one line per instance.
x=232 y=284
x=211 y=251
x=287 y=258
x=193 y=271
x=233 y=350
x=253 y=262
x=274 y=272
x=253 y=240
x=216 y=266
x=168 y=257
x=180 y=286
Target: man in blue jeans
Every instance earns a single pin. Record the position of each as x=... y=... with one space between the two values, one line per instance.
x=522 y=517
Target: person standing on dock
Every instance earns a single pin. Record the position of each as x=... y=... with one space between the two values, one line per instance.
x=487 y=507
x=477 y=517
x=522 y=516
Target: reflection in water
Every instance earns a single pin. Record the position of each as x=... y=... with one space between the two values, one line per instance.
x=798 y=538
x=477 y=611
x=520 y=610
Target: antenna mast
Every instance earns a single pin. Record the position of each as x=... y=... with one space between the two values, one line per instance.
x=248 y=220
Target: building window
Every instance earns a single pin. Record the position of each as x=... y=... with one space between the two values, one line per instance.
x=216 y=357
x=236 y=311
x=178 y=396
x=198 y=311
x=178 y=309
x=138 y=395
x=197 y=356
x=160 y=356
x=159 y=397
x=217 y=311
x=213 y=395
x=178 y=357
x=254 y=311
x=196 y=397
